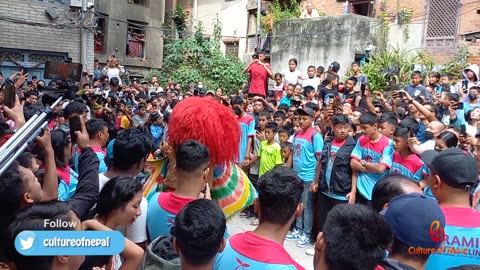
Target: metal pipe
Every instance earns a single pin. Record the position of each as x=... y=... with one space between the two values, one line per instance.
x=83 y=37
x=259 y=10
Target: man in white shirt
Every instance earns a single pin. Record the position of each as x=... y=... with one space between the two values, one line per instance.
x=310 y=12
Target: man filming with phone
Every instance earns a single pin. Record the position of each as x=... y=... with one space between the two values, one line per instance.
x=452 y=110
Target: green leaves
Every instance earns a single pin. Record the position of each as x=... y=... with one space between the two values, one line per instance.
x=393 y=67
x=196 y=58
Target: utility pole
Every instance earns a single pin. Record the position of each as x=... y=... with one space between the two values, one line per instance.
x=194 y=15
x=83 y=37
x=259 y=11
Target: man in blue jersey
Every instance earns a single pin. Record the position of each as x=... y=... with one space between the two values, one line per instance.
x=453 y=174
x=277 y=205
x=191 y=171
x=247 y=130
x=411 y=218
x=199 y=230
x=307 y=150
x=371 y=157
x=405 y=162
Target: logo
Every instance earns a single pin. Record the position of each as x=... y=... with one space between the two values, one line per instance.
x=436 y=232
x=74 y=243
x=26 y=244
x=25 y=240
x=241 y=265
x=298 y=149
x=333 y=155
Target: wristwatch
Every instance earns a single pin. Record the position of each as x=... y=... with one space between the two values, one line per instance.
x=363 y=162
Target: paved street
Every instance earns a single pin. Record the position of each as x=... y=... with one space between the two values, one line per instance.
x=237 y=225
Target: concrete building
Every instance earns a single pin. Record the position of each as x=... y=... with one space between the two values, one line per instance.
x=30 y=35
x=234 y=16
x=132 y=31
x=322 y=40
x=440 y=26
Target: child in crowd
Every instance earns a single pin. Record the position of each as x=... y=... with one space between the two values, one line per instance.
x=307 y=149
x=372 y=157
x=283 y=134
x=350 y=95
x=280 y=118
x=286 y=152
x=269 y=153
x=405 y=162
x=416 y=88
x=312 y=80
x=320 y=71
x=287 y=99
x=357 y=73
x=279 y=87
x=309 y=93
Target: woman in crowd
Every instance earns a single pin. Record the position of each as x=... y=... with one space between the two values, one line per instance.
x=118 y=205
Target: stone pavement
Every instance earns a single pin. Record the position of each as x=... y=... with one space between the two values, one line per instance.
x=238 y=225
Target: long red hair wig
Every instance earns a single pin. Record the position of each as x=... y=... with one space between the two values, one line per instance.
x=206 y=120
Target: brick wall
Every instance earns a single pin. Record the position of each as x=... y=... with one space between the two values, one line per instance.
x=469 y=19
x=20 y=36
x=334 y=7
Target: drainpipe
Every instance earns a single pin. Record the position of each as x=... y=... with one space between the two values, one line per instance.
x=259 y=11
x=194 y=14
x=83 y=38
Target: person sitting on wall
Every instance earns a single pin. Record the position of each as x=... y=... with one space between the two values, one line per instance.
x=309 y=12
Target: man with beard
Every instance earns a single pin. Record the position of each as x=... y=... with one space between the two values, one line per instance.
x=247 y=127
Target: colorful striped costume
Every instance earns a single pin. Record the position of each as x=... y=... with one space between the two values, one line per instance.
x=213 y=124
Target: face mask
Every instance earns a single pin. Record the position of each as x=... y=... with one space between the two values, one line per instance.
x=472 y=96
x=428 y=135
x=238 y=111
x=200 y=86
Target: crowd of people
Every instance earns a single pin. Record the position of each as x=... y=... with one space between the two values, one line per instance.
x=359 y=178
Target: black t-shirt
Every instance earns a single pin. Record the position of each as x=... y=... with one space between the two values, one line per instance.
x=350 y=98
x=327 y=94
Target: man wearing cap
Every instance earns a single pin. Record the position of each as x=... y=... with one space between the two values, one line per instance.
x=452 y=177
x=210 y=93
x=306 y=154
x=334 y=68
x=411 y=218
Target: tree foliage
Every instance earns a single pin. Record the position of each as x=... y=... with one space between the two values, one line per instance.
x=280 y=11
x=196 y=59
x=391 y=69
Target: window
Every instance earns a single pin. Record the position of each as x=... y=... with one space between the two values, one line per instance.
x=252 y=23
x=100 y=34
x=231 y=48
x=136 y=39
x=138 y=2
x=58 y=2
x=442 y=24
x=252 y=31
x=364 y=8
